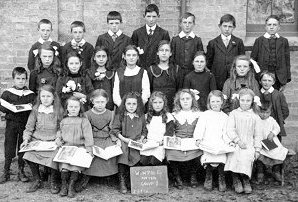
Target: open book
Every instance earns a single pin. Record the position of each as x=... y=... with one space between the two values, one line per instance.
x=142 y=146
x=39 y=146
x=108 y=152
x=217 y=148
x=279 y=153
x=182 y=144
x=74 y=155
x=268 y=145
x=16 y=108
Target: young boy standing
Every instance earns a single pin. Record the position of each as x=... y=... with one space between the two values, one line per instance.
x=148 y=37
x=78 y=44
x=222 y=50
x=114 y=40
x=45 y=29
x=271 y=52
x=185 y=45
x=15 y=122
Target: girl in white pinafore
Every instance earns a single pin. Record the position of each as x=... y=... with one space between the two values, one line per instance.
x=211 y=131
x=158 y=122
x=243 y=129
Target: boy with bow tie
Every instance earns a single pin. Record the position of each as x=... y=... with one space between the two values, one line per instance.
x=271 y=52
x=78 y=44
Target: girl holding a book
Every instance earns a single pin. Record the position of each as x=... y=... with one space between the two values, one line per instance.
x=75 y=130
x=186 y=115
x=42 y=125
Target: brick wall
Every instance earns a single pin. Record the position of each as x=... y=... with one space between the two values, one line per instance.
x=19 y=20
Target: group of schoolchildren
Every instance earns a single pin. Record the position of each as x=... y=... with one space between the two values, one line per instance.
x=214 y=97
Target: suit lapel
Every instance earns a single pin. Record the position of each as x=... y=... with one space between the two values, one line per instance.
x=144 y=34
x=118 y=40
x=265 y=43
x=220 y=44
x=278 y=44
x=231 y=45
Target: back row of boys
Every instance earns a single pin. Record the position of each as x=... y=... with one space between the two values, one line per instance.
x=271 y=51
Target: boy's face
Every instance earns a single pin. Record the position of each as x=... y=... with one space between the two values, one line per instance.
x=187 y=24
x=272 y=26
x=265 y=114
x=226 y=28
x=47 y=57
x=267 y=81
x=151 y=18
x=114 y=25
x=20 y=80
x=77 y=34
x=45 y=31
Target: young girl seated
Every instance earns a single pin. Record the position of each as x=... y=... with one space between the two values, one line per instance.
x=270 y=129
x=129 y=124
x=47 y=68
x=43 y=124
x=211 y=130
x=75 y=130
x=163 y=75
x=200 y=79
x=100 y=119
x=241 y=76
x=159 y=122
x=243 y=129
x=186 y=115
x=101 y=77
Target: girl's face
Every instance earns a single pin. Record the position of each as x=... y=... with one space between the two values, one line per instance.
x=101 y=58
x=74 y=64
x=215 y=103
x=199 y=63
x=185 y=101
x=267 y=81
x=46 y=98
x=47 y=57
x=164 y=52
x=245 y=102
x=73 y=107
x=242 y=67
x=158 y=104
x=131 y=57
x=131 y=105
x=99 y=103
x=265 y=114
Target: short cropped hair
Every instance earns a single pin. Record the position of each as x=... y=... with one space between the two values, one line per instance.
x=273 y=17
x=227 y=18
x=187 y=15
x=114 y=15
x=19 y=71
x=151 y=8
x=266 y=72
x=77 y=24
x=97 y=93
x=44 y=21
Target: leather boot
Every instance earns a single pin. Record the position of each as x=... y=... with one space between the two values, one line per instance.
x=276 y=170
x=208 y=178
x=73 y=178
x=221 y=178
x=121 y=175
x=6 y=174
x=64 y=187
x=246 y=184
x=237 y=183
x=21 y=174
x=260 y=172
x=82 y=183
x=54 y=181
x=178 y=180
x=36 y=184
x=193 y=173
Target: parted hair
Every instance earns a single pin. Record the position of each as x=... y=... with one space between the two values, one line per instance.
x=177 y=104
x=163 y=112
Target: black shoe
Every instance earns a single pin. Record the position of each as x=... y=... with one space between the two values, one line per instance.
x=193 y=181
x=22 y=177
x=179 y=183
x=34 y=186
x=82 y=184
x=4 y=177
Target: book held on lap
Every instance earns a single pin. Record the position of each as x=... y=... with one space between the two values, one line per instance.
x=16 y=108
x=108 y=152
x=73 y=155
x=182 y=144
x=216 y=148
x=268 y=144
x=39 y=146
x=142 y=146
x=279 y=153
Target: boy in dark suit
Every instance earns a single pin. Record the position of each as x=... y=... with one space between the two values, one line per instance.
x=185 y=46
x=222 y=50
x=114 y=40
x=271 y=52
x=148 y=37
x=45 y=29
x=78 y=44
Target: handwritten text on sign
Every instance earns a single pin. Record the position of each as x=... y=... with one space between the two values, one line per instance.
x=149 y=179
